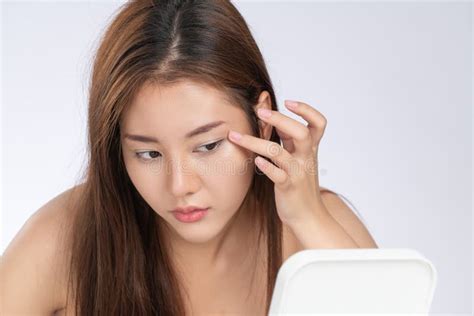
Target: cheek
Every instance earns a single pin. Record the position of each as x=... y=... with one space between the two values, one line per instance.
x=231 y=161
x=229 y=177
x=144 y=177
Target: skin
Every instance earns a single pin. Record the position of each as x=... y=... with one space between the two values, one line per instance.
x=184 y=171
x=213 y=250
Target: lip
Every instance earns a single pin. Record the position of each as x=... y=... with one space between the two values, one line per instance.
x=189 y=208
x=191 y=216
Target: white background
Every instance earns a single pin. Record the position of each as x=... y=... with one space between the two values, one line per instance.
x=394 y=80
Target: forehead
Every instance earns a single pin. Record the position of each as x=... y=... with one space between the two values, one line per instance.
x=178 y=107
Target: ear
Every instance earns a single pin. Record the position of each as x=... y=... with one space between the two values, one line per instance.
x=264 y=102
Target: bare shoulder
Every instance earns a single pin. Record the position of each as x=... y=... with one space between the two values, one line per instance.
x=343 y=214
x=33 y=266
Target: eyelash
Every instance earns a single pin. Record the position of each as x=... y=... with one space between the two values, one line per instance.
x=217 y=145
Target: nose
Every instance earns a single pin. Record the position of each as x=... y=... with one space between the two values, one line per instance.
x=183 y=178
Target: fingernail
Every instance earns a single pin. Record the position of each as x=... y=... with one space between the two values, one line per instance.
x=264 y=112
x=259 y=160
x=235 y=136
x=291 y=104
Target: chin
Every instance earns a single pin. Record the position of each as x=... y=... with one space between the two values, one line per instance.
x=199 y=232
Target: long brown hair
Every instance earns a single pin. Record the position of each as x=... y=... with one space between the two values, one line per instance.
x=119 y=264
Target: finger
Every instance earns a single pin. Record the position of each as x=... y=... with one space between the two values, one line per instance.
x=297 y=131
x=286 y=141
x=316 y=121
x=277 y=175
x=263 y=147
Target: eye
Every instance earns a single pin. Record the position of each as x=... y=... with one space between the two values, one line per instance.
x=152 y=155
x=213 y=146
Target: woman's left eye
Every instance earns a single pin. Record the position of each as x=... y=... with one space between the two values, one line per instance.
x=213 y=145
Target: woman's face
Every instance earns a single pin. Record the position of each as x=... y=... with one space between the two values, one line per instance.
x=171 y=168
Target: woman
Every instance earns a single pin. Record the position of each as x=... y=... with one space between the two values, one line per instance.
x=172 y=81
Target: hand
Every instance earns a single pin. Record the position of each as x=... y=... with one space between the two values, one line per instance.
x=295 y=173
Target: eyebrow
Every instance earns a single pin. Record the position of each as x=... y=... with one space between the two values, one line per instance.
x=197 y=131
